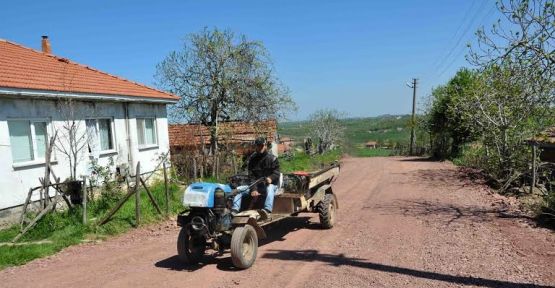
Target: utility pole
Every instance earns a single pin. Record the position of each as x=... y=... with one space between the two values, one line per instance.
x=413 y=122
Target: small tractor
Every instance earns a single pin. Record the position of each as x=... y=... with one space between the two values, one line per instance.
x=209 y=223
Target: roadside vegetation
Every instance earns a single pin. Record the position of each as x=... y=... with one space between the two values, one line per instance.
x=485 y=117
x=299 y=161
x=65 y=228
x=390 y=132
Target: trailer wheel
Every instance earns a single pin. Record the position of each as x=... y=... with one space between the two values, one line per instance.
x=244 y=246
x=326 y=211
x=190 y=248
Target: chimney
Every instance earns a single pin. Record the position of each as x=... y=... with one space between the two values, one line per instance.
x=46 y=45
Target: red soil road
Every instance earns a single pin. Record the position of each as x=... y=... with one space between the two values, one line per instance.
x=402 y=222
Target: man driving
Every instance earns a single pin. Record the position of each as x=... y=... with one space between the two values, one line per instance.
x=261 y=164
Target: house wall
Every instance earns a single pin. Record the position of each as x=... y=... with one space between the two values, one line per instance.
x=15 y=180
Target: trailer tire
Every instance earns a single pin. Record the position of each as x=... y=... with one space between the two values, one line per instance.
x=190 y=248
x=326 y=211
x=244 y=246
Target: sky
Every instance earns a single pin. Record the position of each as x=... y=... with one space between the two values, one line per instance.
x=353 y=56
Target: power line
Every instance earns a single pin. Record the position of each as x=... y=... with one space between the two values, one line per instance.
x=466 y=22
x=463 y=35
x=453 y=37
x=462 y=49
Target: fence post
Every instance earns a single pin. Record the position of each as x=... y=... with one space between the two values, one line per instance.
x=84 y=192
x=234 y=162
x=195 y=168
x=217 y=159
x=166 y=188
x=203 y=163
x=137 y=194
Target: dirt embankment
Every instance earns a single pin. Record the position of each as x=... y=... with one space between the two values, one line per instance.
x=402 y=222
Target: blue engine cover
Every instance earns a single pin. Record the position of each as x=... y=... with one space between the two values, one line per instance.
x=201 y=194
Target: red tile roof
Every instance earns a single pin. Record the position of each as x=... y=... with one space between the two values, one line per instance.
x=25 y=68
x=191 y=135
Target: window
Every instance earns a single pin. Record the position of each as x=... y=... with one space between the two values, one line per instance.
x=105 y=134
x=100 y=135
x=28 y=139
x=146 y=131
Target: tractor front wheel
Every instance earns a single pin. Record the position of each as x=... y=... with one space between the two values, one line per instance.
x=190 y=248
x=326 y=211
x=244 y=246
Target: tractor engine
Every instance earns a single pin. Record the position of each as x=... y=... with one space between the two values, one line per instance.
x=208 y=211
x=222 y=215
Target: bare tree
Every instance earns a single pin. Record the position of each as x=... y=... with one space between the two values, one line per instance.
x=326 y=128
x=524 y=43
x=221 y=77
x=72 y=136
x=525 y=36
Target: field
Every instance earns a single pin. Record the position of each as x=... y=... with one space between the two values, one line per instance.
x=389 y=131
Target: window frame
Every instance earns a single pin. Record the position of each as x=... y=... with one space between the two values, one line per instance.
x=113 y=135
x=36 y=160
x=155 y=127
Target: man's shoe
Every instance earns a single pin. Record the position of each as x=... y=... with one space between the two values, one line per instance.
x=265 y=215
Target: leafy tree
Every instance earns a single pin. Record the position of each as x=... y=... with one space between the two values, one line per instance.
x=448 y=119
x=221 y=77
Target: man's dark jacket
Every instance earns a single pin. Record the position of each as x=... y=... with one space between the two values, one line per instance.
x=263 y=165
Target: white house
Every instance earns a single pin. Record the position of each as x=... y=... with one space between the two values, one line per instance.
x=41 y=92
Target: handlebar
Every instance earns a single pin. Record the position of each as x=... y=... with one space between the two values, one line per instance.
x=236 y=191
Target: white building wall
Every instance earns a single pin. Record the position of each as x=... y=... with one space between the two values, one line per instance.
x=15 y=181
x=148 y=156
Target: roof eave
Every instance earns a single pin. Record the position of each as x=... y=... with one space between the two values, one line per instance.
x=83 y=96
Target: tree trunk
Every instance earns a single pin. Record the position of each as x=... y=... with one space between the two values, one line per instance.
x=214 y=146
x=505 y=151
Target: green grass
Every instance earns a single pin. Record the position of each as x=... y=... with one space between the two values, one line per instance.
x=302 y=162
x=65 y=228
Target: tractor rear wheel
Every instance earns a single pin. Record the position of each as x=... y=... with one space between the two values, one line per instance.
x=190 y=248
x=244 y=246
x=326 y=211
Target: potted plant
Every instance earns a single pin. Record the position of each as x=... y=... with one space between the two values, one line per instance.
x=74 y=189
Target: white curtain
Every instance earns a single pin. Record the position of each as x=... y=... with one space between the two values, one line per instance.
x=105 y=134
x=41 y=136
x=20 y=140
x=149 y=131
x=92 y=135
x=141 y=131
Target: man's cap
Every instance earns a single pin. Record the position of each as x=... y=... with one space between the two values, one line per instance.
x=260 y=141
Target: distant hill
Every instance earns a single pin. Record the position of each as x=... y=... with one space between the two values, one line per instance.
x=387 y=130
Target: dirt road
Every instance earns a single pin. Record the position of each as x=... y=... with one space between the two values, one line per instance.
x=402 y=223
